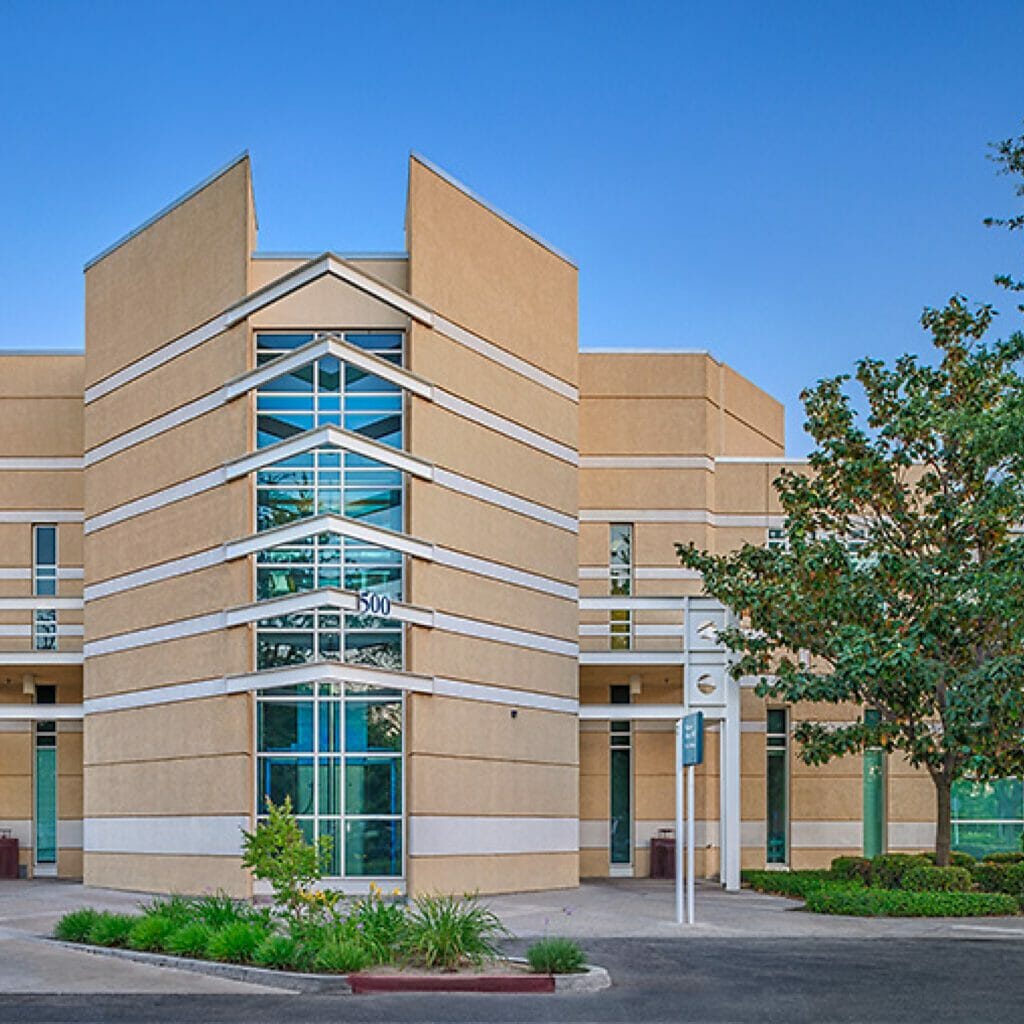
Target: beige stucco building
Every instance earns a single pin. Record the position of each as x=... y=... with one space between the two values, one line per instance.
x=371 y=532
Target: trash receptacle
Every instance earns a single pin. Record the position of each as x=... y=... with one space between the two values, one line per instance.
x=663 y=854
x=8 y=854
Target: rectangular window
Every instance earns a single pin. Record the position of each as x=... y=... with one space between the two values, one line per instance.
x=778 y=786
x=45 y=803
x=620 y=738
x=337 y=751
x=44 y=629
x=44 y=561
x=988 y=817
x=620 y=573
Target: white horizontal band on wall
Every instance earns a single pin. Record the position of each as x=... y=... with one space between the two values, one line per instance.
x=19 y=604
x=208 y=836
x=502 y=499
x=504 y=573
x=44 y=515
x=507 y=427
x=592 y=604
x=805 y=835
x=69 y=833
x=18 y=464
x=503 y=695
x=452 y=836
x=632 y=658
x=323 y=672
x=641 y=573
x=911 y=835
x=330 y=598
x=40 y=712
x=301 y=277
x=11 y=658
x=20 y=829
x=646 y=462
x=27 y=630
x=506 y=359
x=699 y=517
x=664 y=629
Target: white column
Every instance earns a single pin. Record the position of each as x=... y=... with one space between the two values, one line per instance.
x=729 y=768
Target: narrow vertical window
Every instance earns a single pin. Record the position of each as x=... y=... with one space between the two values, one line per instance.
x=44 y=561
x=45 y=809
x=778 y=786
x=620 y=572
x=620 y=739
x=44 y=629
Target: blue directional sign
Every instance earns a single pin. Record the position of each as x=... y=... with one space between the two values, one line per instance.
x=693 y=738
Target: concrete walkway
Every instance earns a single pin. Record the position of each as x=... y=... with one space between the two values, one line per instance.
x=636 y=909
x=645 y=908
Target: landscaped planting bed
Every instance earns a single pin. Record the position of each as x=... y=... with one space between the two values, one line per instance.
x=904 y=885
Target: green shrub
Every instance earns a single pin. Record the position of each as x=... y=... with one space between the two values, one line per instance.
x=277 y=951
x=851 y=869
x=1006 y=857
x=277 y=852
x=555 y=956
x=111 y=929
x=379 y=926
x=235 y=942
x=175 y=908
x=76 y=926
x=189 y=940
x=1000 y=877
x=151 y=932
x=342 y=956
x=787 y=883
x=957 y=859
x=863 y=901
x=928 y=878
x=888 y=869
x=448 y=931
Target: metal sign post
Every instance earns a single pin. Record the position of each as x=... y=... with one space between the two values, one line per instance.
x=689 y=753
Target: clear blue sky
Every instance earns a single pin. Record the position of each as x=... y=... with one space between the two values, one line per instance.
x=785 y=184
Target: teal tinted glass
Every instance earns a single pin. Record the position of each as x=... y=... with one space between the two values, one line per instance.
x=373 y=847
x=620 y=847
x=373 y=725
x=46 y=805
x=285 y=726
x=373 y=785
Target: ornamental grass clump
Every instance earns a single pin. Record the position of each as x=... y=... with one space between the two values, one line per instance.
x=448 y=932
x=75 y=926
x=235 y=942
x=111 y=929
x=555 y=956
x=280 y=952
x=342 y=956
x=189 y=940
x=150 y=932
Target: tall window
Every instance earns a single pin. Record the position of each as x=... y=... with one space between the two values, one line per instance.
x=45 y=810
x=778 y=786
x=620 y=572
x=620 y=738
x=336 y=751
x=44 y=629
x=44 y=561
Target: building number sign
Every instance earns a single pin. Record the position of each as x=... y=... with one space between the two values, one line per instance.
x=374 y=604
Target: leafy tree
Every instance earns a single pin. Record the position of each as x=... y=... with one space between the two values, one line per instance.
x=901 y=589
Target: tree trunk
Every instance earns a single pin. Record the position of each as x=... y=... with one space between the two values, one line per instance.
x=943 y=826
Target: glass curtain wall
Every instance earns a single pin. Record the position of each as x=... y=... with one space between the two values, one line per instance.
x=988 y=817
x=334 y=749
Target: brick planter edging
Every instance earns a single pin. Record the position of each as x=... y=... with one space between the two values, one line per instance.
x=370 y=982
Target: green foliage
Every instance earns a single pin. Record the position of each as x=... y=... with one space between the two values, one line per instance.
x=235 y=942
x=929 y=878
x=1000 y=877
x=278 y=853
x=1003 y=858
x=111 y=929
x=76 y=926
x=957 y=859
x=379 y=925
x=175 y=908
x=342 y=956
x=280 y=952
x=852 y=869
x=863 y=901
x=151 y=931
x=888 y=869
x=449 y=931
x=903 y=577
x=189 y=940
x=555 y=956
x=789 y=883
